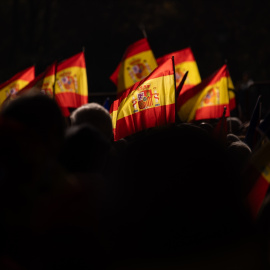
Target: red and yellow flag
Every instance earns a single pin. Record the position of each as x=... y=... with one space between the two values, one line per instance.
x=148 y=103
x=184 y=61
x=137 y=63
x=257 y=179
x=207 y=99
x=43 y=83
x=71 y=88
x=16 y=83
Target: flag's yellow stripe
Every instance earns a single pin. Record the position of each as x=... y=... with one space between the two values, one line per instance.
x=81 y=77
x=230 y=83
x=125 y=80
x=193 y=76
x=162 y=84
x=5 y=91
x=114 y=118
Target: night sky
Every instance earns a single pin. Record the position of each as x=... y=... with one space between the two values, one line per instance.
x=40 y=32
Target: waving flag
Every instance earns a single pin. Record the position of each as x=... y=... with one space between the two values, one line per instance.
x=137 y=63
x=207 y=99
x=16 y=83
x=71 y=88
x=148 y=103
x=184 y=61
x=43 y=83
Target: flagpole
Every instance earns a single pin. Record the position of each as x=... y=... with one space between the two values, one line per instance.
x=142 y=27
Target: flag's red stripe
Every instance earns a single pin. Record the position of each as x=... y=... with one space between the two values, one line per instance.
x=184 y=55
x=256 y=196
x=26 y=75
x=232 y=103
x=65 y=111
x=114 y=76
x=50 y=70
x=71 y=100
x=77 y=60
x=214 y=111
x=157 y=116
x=137 y=47
x=114 y=106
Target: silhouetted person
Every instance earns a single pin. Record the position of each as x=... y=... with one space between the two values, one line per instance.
x=178 y=200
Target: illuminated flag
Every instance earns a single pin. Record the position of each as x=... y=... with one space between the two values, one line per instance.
x=184 y=61
x=148 y=103
x=207 y=99
x=137 y=63
x=71 y=88
x=16 y=83
x=257 y=176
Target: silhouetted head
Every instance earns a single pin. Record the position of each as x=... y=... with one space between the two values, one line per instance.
x=85 y=149
x=94 y=114
x=40 y=114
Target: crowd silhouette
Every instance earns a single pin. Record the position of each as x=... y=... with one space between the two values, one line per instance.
x=168 y=197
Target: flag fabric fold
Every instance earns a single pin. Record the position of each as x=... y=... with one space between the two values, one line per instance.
x=207 y=99
x=137 y=62
x=184 y=61
x=148 y=103
x=71 y=88
x=16 y=83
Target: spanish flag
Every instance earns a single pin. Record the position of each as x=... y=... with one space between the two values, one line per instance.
x=16 y=83
x=43 y=83
x=71 y=88
x=184 y=61
x=207 y=99
x=137 y=62
x=148 y=103
x=257 y=179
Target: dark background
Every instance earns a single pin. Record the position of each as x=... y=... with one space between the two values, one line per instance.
x=38 y=32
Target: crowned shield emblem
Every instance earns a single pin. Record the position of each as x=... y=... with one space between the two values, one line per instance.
x=211 y=98
x=68 y=82
x=145 y=98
